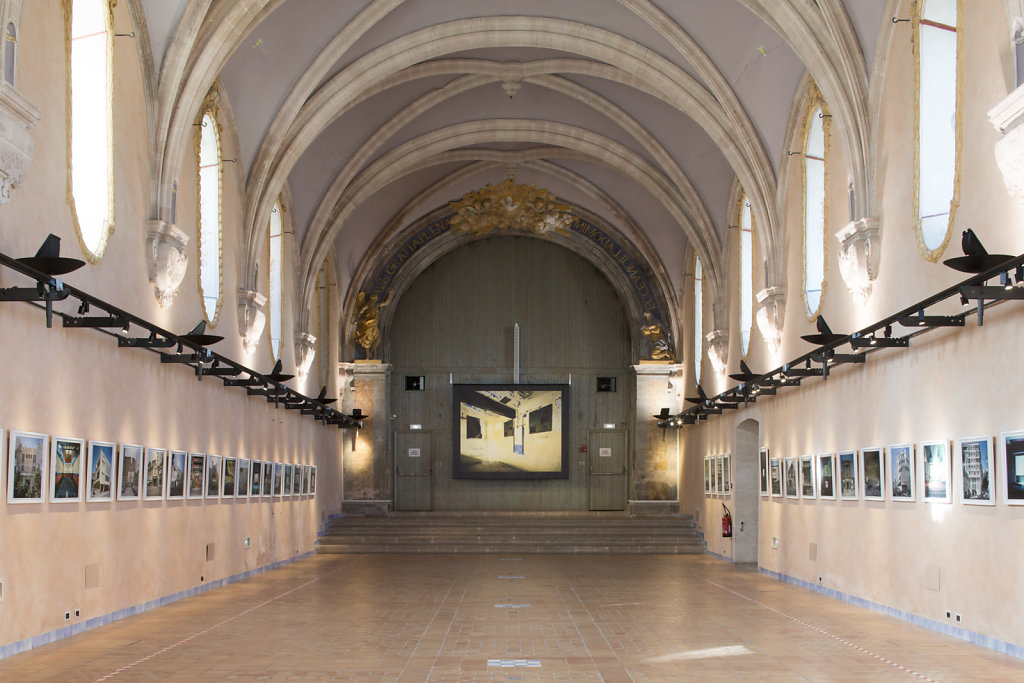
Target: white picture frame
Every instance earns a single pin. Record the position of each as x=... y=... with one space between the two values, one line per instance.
x=808 y=478
x=196 y=473
x=278 y=480
x=872 y=472
x=312 y=481
x=176 y=474
x=936 y=484
x=129 y=471
x=154 y=474
x=726 y=474
x=101 y=472
x=229 y=480
x=901 y=471
x=707 y=475
x=297 y=480
x=286 y=480
x=976 y=470
x=268 y=478
x=826 y=472
x=243 y=478
x=762 y=472
x=67 y=456
x=849 y=481
x=256 y=479
x=212 y=479
x=28 y=454
x=1011 y=467
x=775 y=477
x=791 y=477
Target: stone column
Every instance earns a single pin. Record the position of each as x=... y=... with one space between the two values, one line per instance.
x=366 y=461
x=655 y=472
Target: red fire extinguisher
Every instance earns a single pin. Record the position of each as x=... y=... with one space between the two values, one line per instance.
x=726 y=523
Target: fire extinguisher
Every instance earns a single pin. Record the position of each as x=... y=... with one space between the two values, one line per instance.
x=726 y=523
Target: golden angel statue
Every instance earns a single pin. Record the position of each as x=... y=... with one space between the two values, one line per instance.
x=367 y=332
x=660 y=349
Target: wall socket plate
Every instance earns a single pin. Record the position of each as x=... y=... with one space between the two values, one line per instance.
x=775 y=543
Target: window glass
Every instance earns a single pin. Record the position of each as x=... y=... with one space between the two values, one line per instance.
x=746 y=274
x=209 y=216
x=274 y=298
x=814 y=211
x=698 y=319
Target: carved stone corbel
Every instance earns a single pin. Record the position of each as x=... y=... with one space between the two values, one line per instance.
x=771 y=315
x=718 y=349
x=166 y=259
x=1006 y=117
x=17 y=116
x=252 y=318
x=859 y=253
x=305 y=352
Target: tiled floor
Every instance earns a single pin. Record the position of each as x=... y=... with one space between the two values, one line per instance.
x=476 y=618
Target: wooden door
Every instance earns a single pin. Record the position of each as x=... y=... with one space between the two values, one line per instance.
x=607 y=454
x=413 y=463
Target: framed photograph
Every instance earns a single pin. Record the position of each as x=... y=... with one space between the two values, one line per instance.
x=807 y=480
x=100 y=472
x=871 y=473
x=827 y=476
x=154 y=473
x=719 y=475
x=27 y=455
x=213 y=475
x=305 y=480
x=230 y=469
x=196 y=472
x=848 y=475
x=510 y=431
x=936 y=472
x=243 y=478
x=790 y=465
x=901 y=471
x=726 y=474
x=129 y=472
x=287 y=489
x=1011 y=466
x=177 y=469
x=66 y=458
x=278 y=477
x=974 y=458
x=762 y=468
x=707 y=474
x=312 y=481
x=256 y=479
x=775 y=472
x=268 y=478
x=297 y=480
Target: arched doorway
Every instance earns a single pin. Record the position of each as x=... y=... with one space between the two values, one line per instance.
x=747 y=492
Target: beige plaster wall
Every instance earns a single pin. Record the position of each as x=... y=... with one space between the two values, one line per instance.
x=948 y=385
x=77 y=383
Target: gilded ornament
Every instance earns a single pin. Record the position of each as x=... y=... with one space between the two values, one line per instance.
x=508 y=206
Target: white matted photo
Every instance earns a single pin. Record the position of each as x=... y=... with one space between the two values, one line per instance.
x=975 y=470
x=726 y=474
x=66 y=459
x=900 y=468
x=848 y=475
x=268 y=478
x=177 y=474
x=775 y=474
x=872 y=470
x=196 y=472
x=230 y=475
x=808 y=489
x=312 y=481
x=936 y=472
x=278 y=477
x=129 y=472
x=243 y=478
x=707 y=474
x=305 y=480
x=1011 y=467
x=27 y=456
x=154 y=473
x=297 y=480
x=256 y=479
x=100 y=470
x=762 y=470
x=287 y=486
x=213 y=475
x=827 y=476
x=791 y=466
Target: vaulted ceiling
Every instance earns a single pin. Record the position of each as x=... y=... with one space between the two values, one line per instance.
x=645 y=112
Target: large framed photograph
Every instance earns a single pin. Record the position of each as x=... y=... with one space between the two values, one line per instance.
x=1011 y=466
x=762 y=468
x=196 y=472
x=297 y=480
x=901 y=471
x=278 y=476
x=230 y=471
x=129 y=472
x=305 y=480
x=243 y=478
x=312 y=481
x=510 y=431
x=100 y=472
x=790 y=465
x=935 y=472
x=177 y=469
x=775 y=472
x=871 y=473
x=807 y=481
x=256 y=479
x=153 y=474
x=726 y=474
x=268 y=478
x=974 y=458
x=66 y=458
x=26 y=467
x=719 y=475
x=213 y=475
x=827 y=476
x=848 y=475
x=287 y=489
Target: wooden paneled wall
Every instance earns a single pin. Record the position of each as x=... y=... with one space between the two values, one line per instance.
x=455 y=324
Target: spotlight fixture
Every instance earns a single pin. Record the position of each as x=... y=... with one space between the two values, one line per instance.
x=49 y=261
x=198 y=337
x=975 y=259
x=825 y=334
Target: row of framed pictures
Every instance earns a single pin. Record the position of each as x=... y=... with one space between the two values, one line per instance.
x=717 y=479
x=40 y=468
x=903 y=472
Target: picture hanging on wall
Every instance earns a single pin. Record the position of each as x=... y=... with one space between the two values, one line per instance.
x=153 y=474
x=974 y=458
x=213 y=475
x=196 y=472
x=67 y=456
x=256 y=479
x=312 y=481
x=790 y=465
x=278 y=476
x=100 y=472
x=305 y=480
x=297 y=481
x=807 y=481
x=230 y=471
x=129 y=472
x=762 y=465
x=726 y=474
x=707 y=474
x=775 y=472
x=243 y=478
x=1011 y=463
x=871 y=473
x=177 y=468
x=935 y=472
x=26 y=467
x=287 y=488
x=268 y=478
x=848 y=475
x=901 y=471
x=719 y=475
x=827 y=476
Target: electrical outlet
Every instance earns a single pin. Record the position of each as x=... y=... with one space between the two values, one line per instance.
x=949 y=615
x=67 y=616
x=248 y=542
x=775 y=543
x=78 y=613
x=958 y=618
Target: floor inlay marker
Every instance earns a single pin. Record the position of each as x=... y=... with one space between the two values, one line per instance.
x=514 y=663
x=823 y=632
x=511 y=605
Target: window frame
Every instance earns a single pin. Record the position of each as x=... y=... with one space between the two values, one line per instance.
x=746 y=270
x=275 y=310
x=210 y=111
x=698 y=318
x=814 y=106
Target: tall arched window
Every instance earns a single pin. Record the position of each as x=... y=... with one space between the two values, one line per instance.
x=746 y=228
x=937 y=123
x=10 y=53
x=698 y=318
x=210 y=212
x=274 y=299
x=815 y=172
x=91 y=183
x=323 y=325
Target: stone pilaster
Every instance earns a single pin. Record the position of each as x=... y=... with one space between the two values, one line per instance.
x=366 y=465
x=655 y=476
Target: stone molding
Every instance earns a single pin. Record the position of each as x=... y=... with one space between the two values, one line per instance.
x=859 y=254
x=1006 y=118
x=771 y=315
x=17 y=116
x=252 y=318
x=718 y=349
x=305 y=352
x=166 y=259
